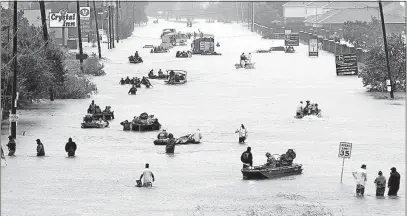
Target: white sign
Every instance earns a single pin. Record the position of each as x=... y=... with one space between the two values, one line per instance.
x=84 y=13
x=60 y=20
x=313 y=47
x=345 y=150
x=13 y=117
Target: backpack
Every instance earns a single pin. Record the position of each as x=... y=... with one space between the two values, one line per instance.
x=245 y=157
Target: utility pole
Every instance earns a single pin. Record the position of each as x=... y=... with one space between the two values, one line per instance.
x=109 y=45
x=248 y=15
x=112 y=23
x=237 y=12
x=117 y=21
x=97 y=27
x=79 y=34
x=252 y=16
x=385 y=49
x=241 y=11
x=44 y=21
x=14 y=97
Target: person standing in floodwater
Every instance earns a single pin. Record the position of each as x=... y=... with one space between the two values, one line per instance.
x=361 y=178
x=70 y=147
x=394 y=182
x=380 y=182
x=11 y=146
x=147 y=176
x=40 y=148
x=242 y=133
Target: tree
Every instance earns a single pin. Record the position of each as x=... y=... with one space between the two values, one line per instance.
x=362 y=34
x=374 y=74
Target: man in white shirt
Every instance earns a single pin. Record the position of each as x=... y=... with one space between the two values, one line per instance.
x=147 y=176
x=196 y=137
x=361 y=178
x=242 y=134
x=249 y=58
x=300 y=109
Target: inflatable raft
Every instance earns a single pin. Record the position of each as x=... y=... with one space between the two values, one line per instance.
x=94 y=124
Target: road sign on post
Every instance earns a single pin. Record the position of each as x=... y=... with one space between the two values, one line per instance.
x=345 y=150
x=313 y=47
x=13 y=117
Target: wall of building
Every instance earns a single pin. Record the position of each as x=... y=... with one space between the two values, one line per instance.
x=292 y=11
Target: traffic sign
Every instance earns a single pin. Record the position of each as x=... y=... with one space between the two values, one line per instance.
x=13 y=117
x=84 y=13
x=345 y=150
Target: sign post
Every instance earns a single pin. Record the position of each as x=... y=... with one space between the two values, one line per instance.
x=346 y=64
x=292 y=39
x=345 y=150
x=313 y=47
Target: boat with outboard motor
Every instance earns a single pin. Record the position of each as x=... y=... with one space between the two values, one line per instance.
x=276 y=166
x=176 y=77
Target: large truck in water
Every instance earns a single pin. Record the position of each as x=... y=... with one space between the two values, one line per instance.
x=205 y=44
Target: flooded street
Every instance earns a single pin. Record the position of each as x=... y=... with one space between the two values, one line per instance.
x=216 y=99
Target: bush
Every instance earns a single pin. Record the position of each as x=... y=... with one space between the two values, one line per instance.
x=374 y=74
x=92 y=66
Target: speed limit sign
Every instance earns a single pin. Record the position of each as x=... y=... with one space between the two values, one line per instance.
x=345 y=150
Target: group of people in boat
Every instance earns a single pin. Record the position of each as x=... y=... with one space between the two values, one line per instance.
x=175 y=77
x=171 y=141
x=289 y=49
x=308 y=109
x=245 y=60
x=284 y=159
x=183 y=54
x=135 y=58
x=158 y=49
x=160 y=74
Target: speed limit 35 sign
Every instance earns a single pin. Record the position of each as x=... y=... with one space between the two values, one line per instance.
x=345 y=150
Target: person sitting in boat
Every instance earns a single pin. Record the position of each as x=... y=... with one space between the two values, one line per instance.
x=127 y=80
x=178 y=54
x=242 y=59
x=171 y=78
x=160 y=73
x=195 y=137
x=133 y=90
x=307 y=107
x=163 y=134
x=242 y=133
x=151 y=73
x=87 y=118
x=136 y=56
x=107 y=109
x=271 y=161
x=91 y=109
x=317 y=111
x=122 y=82
x=98 y=110
x=299 y=109
x=247 y=157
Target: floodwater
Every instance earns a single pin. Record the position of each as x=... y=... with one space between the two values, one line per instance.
x=205 y=179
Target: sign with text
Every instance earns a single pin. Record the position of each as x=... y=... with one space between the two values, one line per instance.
x=313 y=47
x=86 y=26
x=293 y=39
x=62 y=20
x=345 y=150
x=346 y=64
x=84 y=13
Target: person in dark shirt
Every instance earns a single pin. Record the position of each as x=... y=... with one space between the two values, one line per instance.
x=70 y=147
x=247 y=157
x=394 y=182
x=40 y=148
x=133 y=90
x=11 y=146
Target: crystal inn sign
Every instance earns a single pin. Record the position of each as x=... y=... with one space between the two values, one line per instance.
x=62 y=19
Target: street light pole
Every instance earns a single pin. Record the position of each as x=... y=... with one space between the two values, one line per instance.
x=385 y=49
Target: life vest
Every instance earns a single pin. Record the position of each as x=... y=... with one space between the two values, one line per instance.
x=245 y=157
